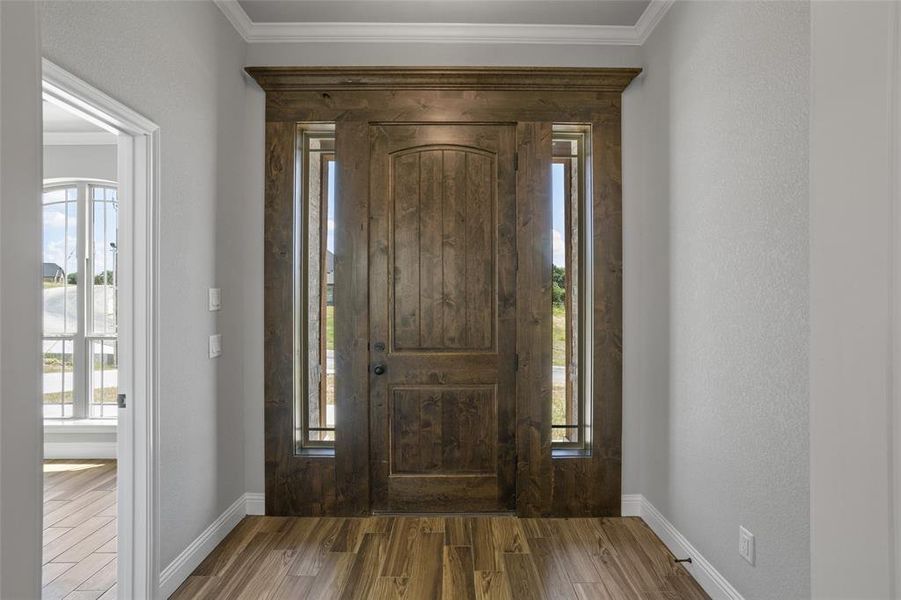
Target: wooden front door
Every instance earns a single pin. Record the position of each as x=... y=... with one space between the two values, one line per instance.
x=442 y=317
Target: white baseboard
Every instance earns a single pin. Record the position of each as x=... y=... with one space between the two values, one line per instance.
x=636 y=505
x=631 y=505
x=255 y=503
x=185 y=563
x=80 y=449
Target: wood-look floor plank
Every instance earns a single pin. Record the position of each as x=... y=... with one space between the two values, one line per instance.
x=331 y=576
x=593 y=591
x=523 y=577
x=103 y=579
x=83 y=595
x=399 y=561
x=69 y=581
x=88 y=545
x=313 y=555
x=411 y=558
x=492 y=585
x=72 y=537
x=293 y=587
x=194 y=587
x=427 y=566
x=457 y=576
x=51 y=571
x=79 y=536
x=457 y=532
x=549 y=562
x=366 y=567
x=110 y=594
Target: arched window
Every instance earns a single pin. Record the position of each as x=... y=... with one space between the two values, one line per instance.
x=80 y=316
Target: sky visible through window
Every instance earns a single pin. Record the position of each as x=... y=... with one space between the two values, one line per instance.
x=330 y=241
x=558 y=214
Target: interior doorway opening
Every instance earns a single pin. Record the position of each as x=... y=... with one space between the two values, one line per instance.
x=98 y=273
x=80 y=274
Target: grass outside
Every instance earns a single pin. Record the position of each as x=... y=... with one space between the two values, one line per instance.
x=559 y=336
x=330 y=327
x=107 y=397
x=54 y=364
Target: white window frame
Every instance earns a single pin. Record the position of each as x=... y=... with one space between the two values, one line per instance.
x=84 y=335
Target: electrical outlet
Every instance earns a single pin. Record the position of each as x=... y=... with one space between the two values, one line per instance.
x=215 y=346
x=746 y=544
x=215 y=299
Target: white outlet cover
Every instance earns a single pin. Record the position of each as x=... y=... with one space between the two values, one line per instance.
x=746 y=544
x=216 y=345
x=215 y=299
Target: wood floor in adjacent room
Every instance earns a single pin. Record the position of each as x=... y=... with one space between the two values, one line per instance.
x=79 y=530
x=436 y=557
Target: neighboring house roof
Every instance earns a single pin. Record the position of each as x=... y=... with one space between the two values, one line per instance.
x=53 y=270
x=329 y=267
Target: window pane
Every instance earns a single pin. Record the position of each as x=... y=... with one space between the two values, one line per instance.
x=58 y=380
x=315 y=258
x=60 y=261
x=104 y=246
x=568 y=230
x=104 y=378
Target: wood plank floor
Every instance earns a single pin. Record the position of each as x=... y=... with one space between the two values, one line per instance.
x=79 y=530
x=424 y=558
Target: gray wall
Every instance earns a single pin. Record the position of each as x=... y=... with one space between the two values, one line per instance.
x=853 y=171
x=716 y=332
x=88 y=162
x=179 y=64
x=20 y=251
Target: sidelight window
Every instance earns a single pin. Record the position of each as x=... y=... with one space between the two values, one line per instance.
x=80 y=292
x=314 y=287
x=570 y=288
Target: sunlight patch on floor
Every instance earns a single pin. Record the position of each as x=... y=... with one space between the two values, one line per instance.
x=59 y=467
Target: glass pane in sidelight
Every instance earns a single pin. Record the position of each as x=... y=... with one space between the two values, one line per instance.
x=58 y=378
x=104 y=378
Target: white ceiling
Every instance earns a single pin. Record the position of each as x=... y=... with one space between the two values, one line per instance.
x=538 y=12
x=59 y=120
x=62 y=127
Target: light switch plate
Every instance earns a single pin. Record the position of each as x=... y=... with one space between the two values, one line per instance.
x=216 y=345
x=215 y=299
x=746 y=544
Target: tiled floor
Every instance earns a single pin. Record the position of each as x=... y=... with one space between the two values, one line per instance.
x=79 y=530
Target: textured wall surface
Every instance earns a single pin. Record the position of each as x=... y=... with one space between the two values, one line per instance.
x=717 y=346
x=20 y=301
x=87 y=162
x=179 y=64
x=852 y=196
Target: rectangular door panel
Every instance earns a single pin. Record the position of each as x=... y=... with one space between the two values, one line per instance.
x=443 y=251
x=442 y=317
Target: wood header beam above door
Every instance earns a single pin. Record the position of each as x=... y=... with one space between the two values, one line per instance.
x=443 y=78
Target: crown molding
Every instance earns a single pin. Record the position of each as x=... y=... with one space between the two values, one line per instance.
x=79 y=138
x=648 y=20
x=445 y=33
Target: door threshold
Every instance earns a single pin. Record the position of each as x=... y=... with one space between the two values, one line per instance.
x=380 y=513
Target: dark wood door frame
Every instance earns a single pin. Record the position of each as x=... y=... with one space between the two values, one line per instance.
x=298 y=484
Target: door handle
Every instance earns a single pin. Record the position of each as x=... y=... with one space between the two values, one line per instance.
x=379 y=369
